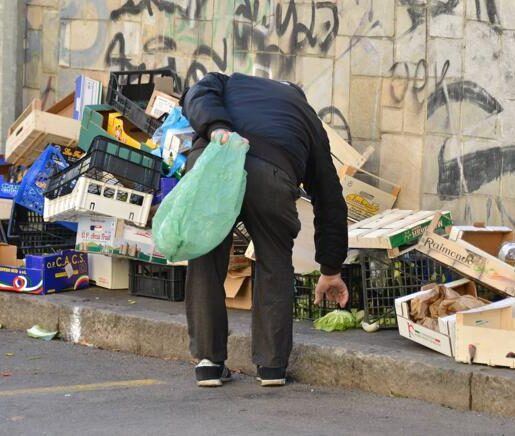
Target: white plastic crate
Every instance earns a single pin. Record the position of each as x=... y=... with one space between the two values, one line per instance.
x=92 y=197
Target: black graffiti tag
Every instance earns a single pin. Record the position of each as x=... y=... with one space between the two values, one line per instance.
x=417 y=10
x=130 y=7
x=122 y=60
x=401 y=75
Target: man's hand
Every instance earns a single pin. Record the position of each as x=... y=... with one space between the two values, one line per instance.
x=334 y=289
x=224 y=135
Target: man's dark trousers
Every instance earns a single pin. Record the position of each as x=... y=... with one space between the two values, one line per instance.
x=270 y=216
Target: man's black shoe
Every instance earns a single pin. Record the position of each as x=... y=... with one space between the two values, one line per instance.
x=211 y=374
x=271 y=376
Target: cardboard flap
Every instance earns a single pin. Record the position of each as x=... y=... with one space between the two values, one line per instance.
x=163 y=84
x=489 y=239
x=8 y=255
x=240 y=273
x=235 y=280
x=233 y=285
x=64 y=106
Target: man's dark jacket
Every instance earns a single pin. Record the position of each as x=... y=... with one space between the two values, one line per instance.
x=283 y=129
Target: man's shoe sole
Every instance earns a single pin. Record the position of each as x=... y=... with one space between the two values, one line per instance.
x=272 y=382
x=213 y=383
x=209 y=383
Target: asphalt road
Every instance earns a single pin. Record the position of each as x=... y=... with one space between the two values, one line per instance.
x=56 y=388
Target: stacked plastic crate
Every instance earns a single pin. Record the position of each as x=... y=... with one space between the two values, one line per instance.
x=112 y=179
x=27 y=228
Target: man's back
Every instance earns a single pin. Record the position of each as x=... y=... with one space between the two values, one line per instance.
x=267 y=112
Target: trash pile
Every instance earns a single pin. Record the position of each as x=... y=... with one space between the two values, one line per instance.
x=81 y=181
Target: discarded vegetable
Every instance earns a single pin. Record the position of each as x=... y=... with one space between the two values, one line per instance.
x=339 y=320
x=370 y=328
x=40 y=333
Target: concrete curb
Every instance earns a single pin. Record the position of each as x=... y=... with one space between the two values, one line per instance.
x=165 y=336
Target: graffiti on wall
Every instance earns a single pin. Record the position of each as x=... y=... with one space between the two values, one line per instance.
x=272 y=38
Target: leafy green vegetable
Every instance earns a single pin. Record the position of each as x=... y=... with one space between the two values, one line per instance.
x=339 y=320
x=359 y=315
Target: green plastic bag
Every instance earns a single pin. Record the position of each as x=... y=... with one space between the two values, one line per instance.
x=197 y=215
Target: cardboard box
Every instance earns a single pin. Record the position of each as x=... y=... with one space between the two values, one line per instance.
x=9 y=190
x=34 y=129
x=113 y=237
x=469 y=260
x=6 y=207
x=124 y=131
x=44 y=274
x=108 y=272
x=160 y=103
x=71 y=154
x=363 y=199
x=444 y=340
x=238 y=289
x=487 y=334
x=87 y=92
x=489 y=239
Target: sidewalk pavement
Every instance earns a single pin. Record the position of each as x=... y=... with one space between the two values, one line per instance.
x=382 y=362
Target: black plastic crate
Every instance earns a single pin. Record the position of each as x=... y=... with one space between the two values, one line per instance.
x=240 y=239
x=386 y=279
x=111 y=162
x=165 y=282
x=129 y=93
x=32 y=235
x=304 y=298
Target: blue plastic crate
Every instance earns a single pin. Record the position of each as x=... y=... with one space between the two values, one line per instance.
x=34 y=183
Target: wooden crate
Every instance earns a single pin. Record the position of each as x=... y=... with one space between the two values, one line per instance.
x=487 y=334
x=442 y=340
x=34 y=130
x=394 y=229
x=468 y=260
x=344 y=153
x=363 y=199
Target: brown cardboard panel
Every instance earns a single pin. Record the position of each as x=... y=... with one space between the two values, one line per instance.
x=162 y=101
x=243 y=300
x=488 y=239
x=163 y=84
x=491 y=243
x=238 y=289
x=64 y=106
x=8 y=255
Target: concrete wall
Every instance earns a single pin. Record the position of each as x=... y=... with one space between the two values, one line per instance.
x=11 y=67
x=428 y=83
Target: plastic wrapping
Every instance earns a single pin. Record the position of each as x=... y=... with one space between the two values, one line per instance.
x=174 y=138
x=202 y=209
x=507 y=253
